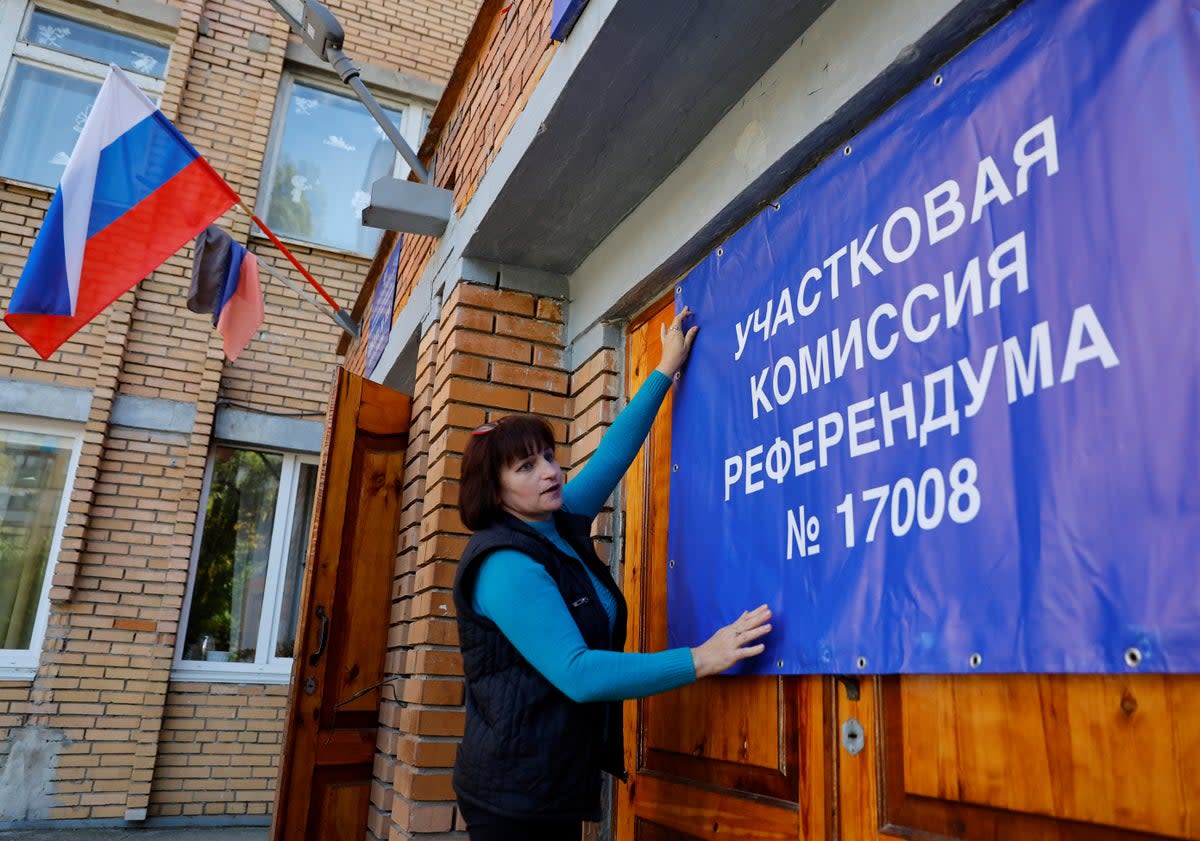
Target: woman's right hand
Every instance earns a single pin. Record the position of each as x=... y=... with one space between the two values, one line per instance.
x=733 y=643
x=676 y=343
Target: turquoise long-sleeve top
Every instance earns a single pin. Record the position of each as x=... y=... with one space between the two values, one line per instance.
x=517 y=593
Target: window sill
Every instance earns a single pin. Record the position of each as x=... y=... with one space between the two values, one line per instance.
x=22 y=674
x=6 y=181
x=231 y=673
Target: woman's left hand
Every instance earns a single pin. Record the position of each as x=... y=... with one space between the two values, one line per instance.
x=676 y=343
x=733 y=643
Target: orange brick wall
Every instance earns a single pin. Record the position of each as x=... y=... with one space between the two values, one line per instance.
x=21 y=212
x=108 y=650
x=14 y=705
x=507 y=51
x=219 y=750
x=515 y=51
x=112 y=734
x=419 y=37
x=595 y=387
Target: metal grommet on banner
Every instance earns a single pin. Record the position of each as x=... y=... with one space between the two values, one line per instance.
x=671 y=563
x=976 y=660
x=847 y=151
x=674 y=468
x=779 y=664
x=937 y=80
x=1133 y=657
x=861 y=663
x=678 y=290
x=720 y=251
x=775 y=205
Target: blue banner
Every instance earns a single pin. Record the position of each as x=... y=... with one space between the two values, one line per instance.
x=383 y=300
x=563 y=17
x=942 y=412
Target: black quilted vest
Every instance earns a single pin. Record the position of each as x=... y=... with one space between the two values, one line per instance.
x=529 y=751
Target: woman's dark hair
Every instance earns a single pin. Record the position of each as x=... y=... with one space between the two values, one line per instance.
x=491 y=448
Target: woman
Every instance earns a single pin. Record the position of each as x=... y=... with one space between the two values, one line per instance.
x=542 y=624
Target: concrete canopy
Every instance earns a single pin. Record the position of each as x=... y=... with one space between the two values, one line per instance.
x=652 y=83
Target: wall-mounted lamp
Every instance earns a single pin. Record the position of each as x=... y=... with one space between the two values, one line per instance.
x=396 y=204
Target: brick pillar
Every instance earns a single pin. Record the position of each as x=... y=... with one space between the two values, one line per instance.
x=492 y=352
x=165 y=593
x=394 y=745
x=595 y=389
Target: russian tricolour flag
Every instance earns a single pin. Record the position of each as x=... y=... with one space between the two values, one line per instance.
x=132 y=194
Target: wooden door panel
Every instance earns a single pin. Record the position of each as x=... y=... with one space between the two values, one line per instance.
x=678 y=810
x=366 y=571
x=1108 y=750
x=736 y=732
x=330 y=738
x=1097 y=757
x=338 y=791
x=648 y=831
x=721 y=720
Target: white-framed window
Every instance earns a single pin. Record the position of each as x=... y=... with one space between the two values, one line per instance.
x=37 y=471
x=243 y=600
x=325 y=152
x=53 y=58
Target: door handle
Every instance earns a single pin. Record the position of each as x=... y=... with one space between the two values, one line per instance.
x=322 y=636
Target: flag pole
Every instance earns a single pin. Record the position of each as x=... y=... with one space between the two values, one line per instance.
x=304 y=296
x=340 y=316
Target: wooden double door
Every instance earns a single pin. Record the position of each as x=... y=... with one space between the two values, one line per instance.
x=1002 y=758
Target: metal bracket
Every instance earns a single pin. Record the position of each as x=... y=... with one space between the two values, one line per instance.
x=851 y=684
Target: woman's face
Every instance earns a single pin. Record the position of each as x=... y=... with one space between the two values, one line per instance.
x=531 y=488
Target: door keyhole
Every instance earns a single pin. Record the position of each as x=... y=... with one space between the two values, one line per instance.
x=853 y=737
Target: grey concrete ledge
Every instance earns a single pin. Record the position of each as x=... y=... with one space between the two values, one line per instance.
x=153 y=413
x=238 y=426
x=43 y=400
x=152 y=12
x=599 y=336
x=514 y=278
